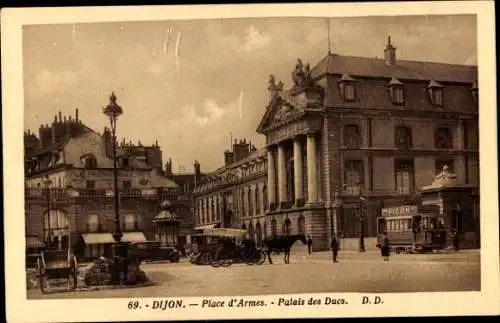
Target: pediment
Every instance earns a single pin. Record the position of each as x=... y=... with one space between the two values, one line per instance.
x=288 y=106
x=278 y=112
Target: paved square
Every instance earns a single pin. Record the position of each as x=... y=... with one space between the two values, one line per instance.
x=355 y=272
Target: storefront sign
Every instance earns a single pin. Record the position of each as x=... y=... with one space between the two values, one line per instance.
x=405 y=210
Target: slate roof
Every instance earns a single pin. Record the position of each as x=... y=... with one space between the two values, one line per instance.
x=374 y=94
x=402 y=69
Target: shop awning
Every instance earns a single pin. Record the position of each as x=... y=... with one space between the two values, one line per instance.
x=134 y=237
x=34 y=242
x=98 y=238
x=166 y=216
x=208 y=226
x=225 y=232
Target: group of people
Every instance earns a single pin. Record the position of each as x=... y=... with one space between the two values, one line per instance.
x=384 y=247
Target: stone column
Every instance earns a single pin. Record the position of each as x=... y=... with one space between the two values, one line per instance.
x=281 y=174
x=271 y=179
x=297 y=167
x=312 y=184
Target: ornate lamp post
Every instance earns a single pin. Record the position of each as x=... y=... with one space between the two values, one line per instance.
x=48 y=239
x=337 y=204
x=113 y=111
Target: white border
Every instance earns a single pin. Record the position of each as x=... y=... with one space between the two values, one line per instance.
x=417 y=304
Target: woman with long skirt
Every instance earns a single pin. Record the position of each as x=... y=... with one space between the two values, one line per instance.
x=384 y=247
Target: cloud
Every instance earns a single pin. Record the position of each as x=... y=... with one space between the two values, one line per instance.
x=48 y=81
x=211 y=113
x=255 y=39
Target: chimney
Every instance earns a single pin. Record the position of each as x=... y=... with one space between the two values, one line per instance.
x=241 y=150
x=197 y=172
x=60 y=116
x=228 y=157
x=390 y=53
x=168 y=167
x=76 y=114
x=53 y=128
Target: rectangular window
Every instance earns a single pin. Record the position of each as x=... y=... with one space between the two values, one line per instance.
x=90 y=184
x=126 y=185
x=404 y=176
x=436 y=95
x=125 y=162
x=440 y=163
x=348 y=91
x=397 y=95
x=353 y=177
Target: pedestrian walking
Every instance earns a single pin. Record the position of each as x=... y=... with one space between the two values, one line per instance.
x=309 y=244
x=384 y=247
x=335 y=248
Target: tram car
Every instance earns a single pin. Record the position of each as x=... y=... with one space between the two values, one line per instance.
x=411 y=230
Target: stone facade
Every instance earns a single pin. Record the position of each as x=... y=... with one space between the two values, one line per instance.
x=69 y=171
x=355 y=127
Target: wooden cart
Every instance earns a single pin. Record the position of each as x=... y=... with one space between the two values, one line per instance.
x=57 y=264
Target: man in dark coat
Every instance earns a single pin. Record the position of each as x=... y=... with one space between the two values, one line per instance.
x=334 y=244
x=309 y=244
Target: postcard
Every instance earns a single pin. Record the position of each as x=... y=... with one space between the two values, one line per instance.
x=250 y=161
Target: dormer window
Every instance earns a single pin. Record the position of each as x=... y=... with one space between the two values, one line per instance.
x=435 y=91
x=396 y=91
x=89 y=161
x=347 y=88
x=475 y=93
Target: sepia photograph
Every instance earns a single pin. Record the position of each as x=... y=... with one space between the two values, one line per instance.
x=251 y=162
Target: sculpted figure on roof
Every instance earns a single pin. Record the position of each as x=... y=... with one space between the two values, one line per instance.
x=274 y=88
x=298 y=76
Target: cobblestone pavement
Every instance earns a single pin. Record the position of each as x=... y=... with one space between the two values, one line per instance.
x=355 y=272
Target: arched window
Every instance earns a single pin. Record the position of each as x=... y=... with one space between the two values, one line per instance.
x=443 y=138
x=250 y=202
x=89 y=161
x=57 y=226
x=265 y=203
x=258 y=230
x=403 y=138
x=352 y=136
x=244 y=227
x=251 y=232
x=274 y=228
x=212 y=210
x=242 y=201
x=287 y=225
x=302 y=225
x=93 y=223
x=257 y=201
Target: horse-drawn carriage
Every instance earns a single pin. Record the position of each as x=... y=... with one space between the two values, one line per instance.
x=223 y=247
x=57 y=264
x=410 y=230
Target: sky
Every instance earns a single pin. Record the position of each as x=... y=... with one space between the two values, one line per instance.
x=194 y=93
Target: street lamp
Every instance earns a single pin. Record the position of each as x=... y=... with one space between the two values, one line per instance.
x=48 y=239
x=113 y=111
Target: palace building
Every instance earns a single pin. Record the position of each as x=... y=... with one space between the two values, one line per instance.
x=69 y=196
x=351 y=136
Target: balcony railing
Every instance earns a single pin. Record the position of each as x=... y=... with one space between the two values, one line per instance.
x=155 y=193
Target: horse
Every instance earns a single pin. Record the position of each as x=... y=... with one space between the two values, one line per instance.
x=282 y=243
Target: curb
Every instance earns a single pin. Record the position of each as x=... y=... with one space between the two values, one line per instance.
x=99 y=288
